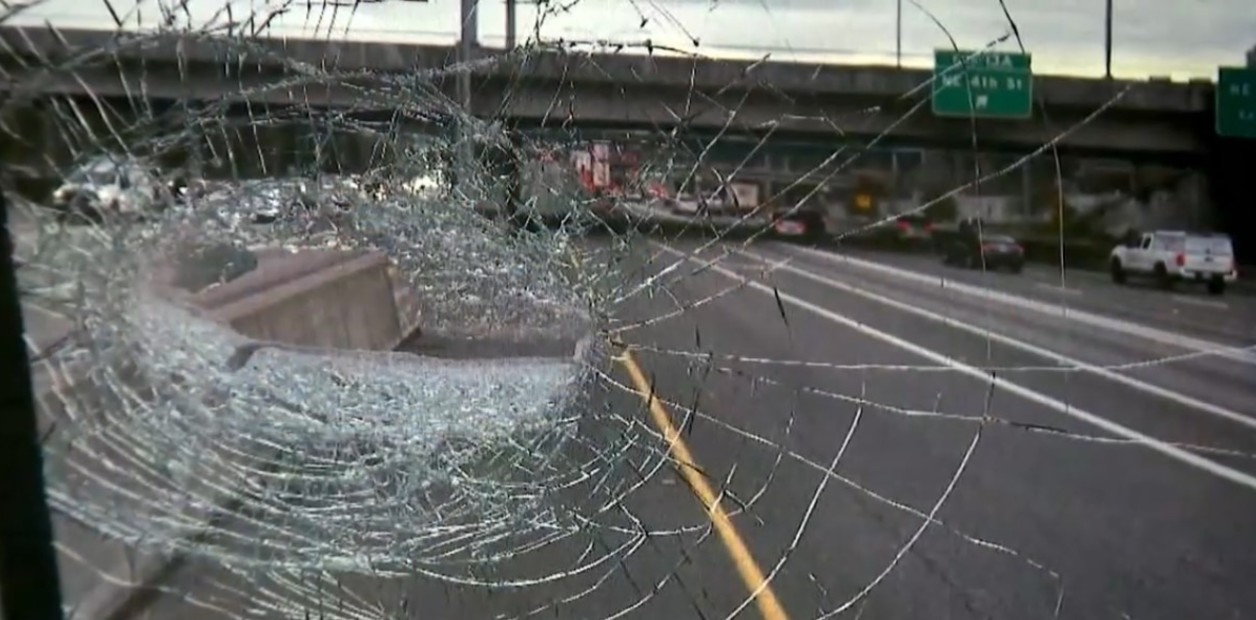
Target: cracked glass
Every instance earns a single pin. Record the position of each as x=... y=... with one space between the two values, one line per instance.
x=643 y=351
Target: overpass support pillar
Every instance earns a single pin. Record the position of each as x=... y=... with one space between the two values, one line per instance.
x=1233 y=193
x=1027 y=188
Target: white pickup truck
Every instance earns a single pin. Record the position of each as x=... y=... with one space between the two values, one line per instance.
x=1173 y=256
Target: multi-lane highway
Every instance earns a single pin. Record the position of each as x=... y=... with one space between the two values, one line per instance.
x=1187 y=307
x=1113 y=500
x=889 y=438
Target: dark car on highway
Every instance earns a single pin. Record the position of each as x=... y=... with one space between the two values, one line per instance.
x=911 y=230
x=989 y=251
x=908 y=231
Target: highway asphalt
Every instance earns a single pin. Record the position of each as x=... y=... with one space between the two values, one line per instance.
x=1187 y=307
x=890 y=438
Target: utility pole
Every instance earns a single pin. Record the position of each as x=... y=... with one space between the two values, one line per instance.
x=467 y=44
x=465 y=168
x=510 y=24
x=898 y=35
x=1107 y=42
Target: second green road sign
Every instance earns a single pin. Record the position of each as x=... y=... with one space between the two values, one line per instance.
x=1236 y=102
x=988 y=85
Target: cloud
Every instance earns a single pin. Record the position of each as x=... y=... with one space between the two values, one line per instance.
x=1066 y=36
x=1160 y=37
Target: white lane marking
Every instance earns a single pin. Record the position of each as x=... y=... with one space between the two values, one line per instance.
x=1142 y=386
x=1094 y=320
x=1207 y=303
x=1056 y=288
x=745 y=265
x=1068 y=409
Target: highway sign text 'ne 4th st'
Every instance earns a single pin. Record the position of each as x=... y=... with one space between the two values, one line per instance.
x=1236 y=102
x=985 y=85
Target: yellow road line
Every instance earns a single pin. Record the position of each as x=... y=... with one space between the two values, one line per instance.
x=769 y=606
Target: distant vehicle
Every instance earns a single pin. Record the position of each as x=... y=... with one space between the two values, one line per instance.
x=431 y=185
x=255 y=201
x=989 y=251
x=334 y=193
x=788 y=227
x=801 y=223
x=196 y=188
x=112 y=185
x=552 y=194
x=799 y=211
x=908 y=230
x=706 y=203
x=686 y=204
x=1175 y=256
x=265 y=201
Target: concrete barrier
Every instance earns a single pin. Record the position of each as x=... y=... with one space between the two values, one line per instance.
x=345 y=304
x=323 y=299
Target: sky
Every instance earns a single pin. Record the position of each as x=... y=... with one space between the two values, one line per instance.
x=1180 y=39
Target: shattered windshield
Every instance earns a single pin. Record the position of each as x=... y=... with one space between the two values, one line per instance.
x=98 y=172
x=611 y=309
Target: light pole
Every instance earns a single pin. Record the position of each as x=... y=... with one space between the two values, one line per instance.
x=1107 y=41
x=464 y=168
x=510 y=24
x=898 y=35
x=467 y=42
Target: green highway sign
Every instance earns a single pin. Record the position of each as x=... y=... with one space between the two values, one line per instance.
x=1236 y=102
x=989 y=85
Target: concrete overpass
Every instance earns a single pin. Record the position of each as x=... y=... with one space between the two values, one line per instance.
x=823 y=102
